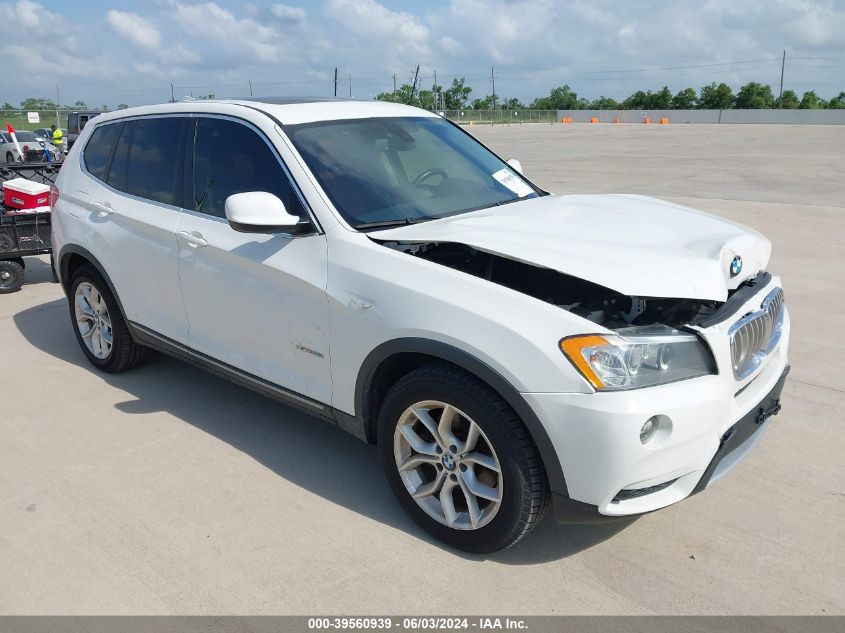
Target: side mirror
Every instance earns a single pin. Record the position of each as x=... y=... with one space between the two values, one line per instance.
x=258 y=212
x=515 y=164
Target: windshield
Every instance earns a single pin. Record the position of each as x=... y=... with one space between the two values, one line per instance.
x=386 y=171
x=24 y=137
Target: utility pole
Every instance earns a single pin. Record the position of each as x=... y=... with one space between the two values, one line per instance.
x=58 y=105
x=350 y=85
x=782 y=67
x=434 y=90
x=414 y=86
x=394 y=83
x=335 y=81
x=172 y=94
x=250 y=87
x=493 y=79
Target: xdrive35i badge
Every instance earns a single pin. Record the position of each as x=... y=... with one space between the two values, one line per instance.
x=736 y=266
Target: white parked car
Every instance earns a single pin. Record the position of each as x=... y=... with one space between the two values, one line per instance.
x=374 y=265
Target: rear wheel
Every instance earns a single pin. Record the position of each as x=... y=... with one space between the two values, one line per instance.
x=11 y=276
x=98 y=324
x=460 y=461
x=10 y=158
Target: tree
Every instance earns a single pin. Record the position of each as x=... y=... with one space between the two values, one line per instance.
x=715 y=97
x=80 y=105
x=122 y=106
x=789 y=100
x=482 y=104
x=838 y=102
x=661 y=100
x=33 y=103
x=512 y=104
x=637 y=101
x=605 y=103
x=560 y=98
x=685 y=99
x=402 y=95
x=457 y=94
x=811 y=101
x=754 y=96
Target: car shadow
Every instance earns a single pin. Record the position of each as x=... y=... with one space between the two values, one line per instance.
x=37 y=271
x=282 y=439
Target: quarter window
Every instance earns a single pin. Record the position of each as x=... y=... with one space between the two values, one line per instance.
x=98 y=149
x=231 y=158
x=147 y=159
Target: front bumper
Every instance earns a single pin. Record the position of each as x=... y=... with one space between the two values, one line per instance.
x=610 y=473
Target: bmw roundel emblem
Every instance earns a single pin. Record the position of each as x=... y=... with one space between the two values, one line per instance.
x=736 y=266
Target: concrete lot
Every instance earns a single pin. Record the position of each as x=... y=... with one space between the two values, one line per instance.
x=166 y=490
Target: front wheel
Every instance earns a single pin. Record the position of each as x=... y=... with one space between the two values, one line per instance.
x=460 y=461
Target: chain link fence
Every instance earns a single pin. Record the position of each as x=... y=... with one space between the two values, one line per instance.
x=499 y=117
x=20 y=118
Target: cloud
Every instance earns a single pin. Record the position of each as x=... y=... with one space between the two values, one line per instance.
x=379 y=36
x=534 y=45
x=242 y=39
x=288 y=14
x=135 y=28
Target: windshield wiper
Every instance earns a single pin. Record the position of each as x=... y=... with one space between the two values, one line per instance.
x=379 y=224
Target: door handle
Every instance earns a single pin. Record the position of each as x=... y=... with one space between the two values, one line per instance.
x=103 y=207
x=193 y=239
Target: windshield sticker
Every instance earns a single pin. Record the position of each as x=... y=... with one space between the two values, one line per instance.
x=512 y=182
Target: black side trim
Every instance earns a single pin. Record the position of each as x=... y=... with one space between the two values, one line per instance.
x=748 y=289
x=747 y=426
x=462 y=359
x=170 y=347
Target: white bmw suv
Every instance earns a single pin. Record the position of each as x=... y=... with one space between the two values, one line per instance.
x=374 y=265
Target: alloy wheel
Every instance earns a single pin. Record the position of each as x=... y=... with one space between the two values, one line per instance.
x=448 y=465
x=93 y=320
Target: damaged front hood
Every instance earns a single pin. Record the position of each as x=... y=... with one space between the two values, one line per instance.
x=631 y=244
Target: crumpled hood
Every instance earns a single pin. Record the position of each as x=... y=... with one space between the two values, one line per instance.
x=632 y=244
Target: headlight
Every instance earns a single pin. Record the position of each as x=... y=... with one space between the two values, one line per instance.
x=638 y=357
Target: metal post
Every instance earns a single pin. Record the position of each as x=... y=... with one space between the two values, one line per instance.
x=782 y=67
x=414 y=87
x=335 y=81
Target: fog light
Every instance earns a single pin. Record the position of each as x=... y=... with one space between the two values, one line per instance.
x=648 y=430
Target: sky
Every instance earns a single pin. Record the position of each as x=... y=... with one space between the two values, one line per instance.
x=131 y=51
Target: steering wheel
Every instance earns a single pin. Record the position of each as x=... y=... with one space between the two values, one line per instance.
x=428 y=173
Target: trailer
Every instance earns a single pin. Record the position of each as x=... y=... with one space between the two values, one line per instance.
x=23 y=234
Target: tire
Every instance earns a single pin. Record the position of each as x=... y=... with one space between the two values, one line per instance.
x=92 y=309
x=502 y=464
x=10 y=159
x=11 y=276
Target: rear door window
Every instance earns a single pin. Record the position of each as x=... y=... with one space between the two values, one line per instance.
x=98 y=149
x=148 y=158
x=229 y=158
